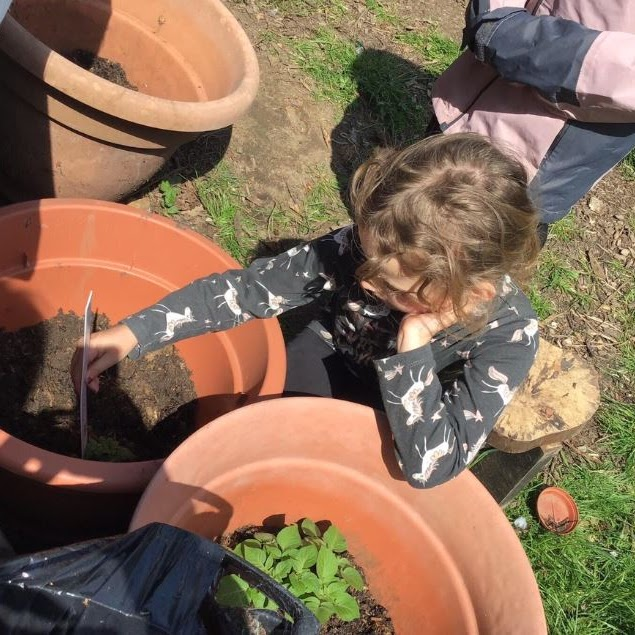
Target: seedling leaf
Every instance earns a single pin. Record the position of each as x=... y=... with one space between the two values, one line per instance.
x=255 y=556
x=353 y=578
x=324 y=612
x=273 y=551
x=282 y=569
x=305 y=558
x=289 y=538
x=310 y=528
x=334 y=588
x=334 y=540
x=265 y=538
x=310 y=582
x=232 y=591
x=346 y=607
x=326 y=564
x=297 y=587
x=258 y=599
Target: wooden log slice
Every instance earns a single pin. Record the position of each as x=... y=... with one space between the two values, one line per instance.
x=558 y=398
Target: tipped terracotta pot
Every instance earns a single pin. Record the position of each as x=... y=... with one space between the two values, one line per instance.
x=52 y=253
x=68 y=133
x=442 y=561
x=557 y=511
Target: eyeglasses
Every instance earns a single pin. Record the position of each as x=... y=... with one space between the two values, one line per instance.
x=400 y=294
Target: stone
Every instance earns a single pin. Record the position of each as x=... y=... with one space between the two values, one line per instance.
x=595 y=204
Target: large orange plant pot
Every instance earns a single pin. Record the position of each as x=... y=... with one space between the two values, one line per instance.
x=68 y=133
x=443 y=561
x=52 y=252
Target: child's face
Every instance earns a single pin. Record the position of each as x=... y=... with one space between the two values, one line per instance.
x=408 y=294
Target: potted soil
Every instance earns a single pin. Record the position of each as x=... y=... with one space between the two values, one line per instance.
x=444 y=560
x=52 y=253
x=68 y=132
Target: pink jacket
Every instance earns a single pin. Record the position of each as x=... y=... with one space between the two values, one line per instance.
x=554 y=81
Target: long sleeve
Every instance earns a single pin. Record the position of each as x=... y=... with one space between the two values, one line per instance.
x=585 y=73
x=220 y=301
x=438 y=428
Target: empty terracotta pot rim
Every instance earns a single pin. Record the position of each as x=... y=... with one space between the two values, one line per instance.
x=155 y=112
x=557 y=511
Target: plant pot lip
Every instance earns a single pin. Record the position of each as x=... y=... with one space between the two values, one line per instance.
x=129 y=105
x=556 y=505
x=48 y=467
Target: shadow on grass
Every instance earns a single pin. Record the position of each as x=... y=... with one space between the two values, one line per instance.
x=393 y=108
x=190 y=161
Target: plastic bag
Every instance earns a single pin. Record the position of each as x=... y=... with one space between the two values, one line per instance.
x=158 y=579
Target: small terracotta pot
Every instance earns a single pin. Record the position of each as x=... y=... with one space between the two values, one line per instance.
x=557 y=511
x=442 y=561
x=52 y=253
x=68 y=133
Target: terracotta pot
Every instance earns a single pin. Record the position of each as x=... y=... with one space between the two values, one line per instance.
x=68 y=133
x=52 y=253
x=557 y=511
x=444 y=560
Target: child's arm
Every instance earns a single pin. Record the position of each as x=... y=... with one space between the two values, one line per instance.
x=588 y=74
x=438 y=428
x=267 y=288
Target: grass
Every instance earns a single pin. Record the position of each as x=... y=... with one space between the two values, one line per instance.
x=627 y=166
x=624 y=315
x=327 y=59
x=383 y=14
x=542 y=305
x=219 y=193
x=322 y=203
x=436 y=51
x=395 y=89
x=618 y=420
x=566 y=229
x=558 y=276
x=586 y=577
x=304 y=8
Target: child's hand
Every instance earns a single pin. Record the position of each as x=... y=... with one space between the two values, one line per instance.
x=417 y=329
x=106 y=348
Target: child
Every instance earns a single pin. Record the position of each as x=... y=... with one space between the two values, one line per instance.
x=553 y=80
x=419 y=305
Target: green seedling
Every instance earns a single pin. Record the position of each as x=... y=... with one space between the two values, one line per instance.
x=107 y=449
x=169 y=194
x=306 y=562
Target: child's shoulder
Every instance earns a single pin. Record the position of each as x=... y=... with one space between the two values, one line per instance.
x=513 y=309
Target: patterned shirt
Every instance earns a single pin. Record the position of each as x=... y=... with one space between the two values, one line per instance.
x=441 y=399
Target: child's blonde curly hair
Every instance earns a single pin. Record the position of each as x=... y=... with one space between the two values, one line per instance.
x=452 y=209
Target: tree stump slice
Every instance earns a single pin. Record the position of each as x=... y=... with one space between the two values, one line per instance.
x=558 y=398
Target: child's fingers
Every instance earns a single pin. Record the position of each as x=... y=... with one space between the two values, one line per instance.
x=418 y=329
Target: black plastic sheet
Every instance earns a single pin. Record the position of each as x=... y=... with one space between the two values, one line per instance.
x=158 y=579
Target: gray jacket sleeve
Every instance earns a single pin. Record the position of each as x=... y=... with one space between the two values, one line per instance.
x=584 y=72
x=220 y=301
x=438 y=428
